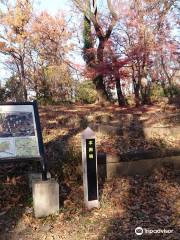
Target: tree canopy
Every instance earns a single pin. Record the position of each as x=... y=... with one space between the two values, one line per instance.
x=127 y=47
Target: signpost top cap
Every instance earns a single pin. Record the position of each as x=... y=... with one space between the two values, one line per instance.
x=88 y=133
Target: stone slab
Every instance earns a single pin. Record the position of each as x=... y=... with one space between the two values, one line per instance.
x=140 y=167
x=150 y=132
x=140 y=155
x=45 y=197
x=112 y=167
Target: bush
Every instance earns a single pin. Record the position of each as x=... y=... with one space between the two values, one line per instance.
x=130 y=100
x=45 y=100
x=174 y=89
x=157 y=92
x=3 y=95
x=86 y=92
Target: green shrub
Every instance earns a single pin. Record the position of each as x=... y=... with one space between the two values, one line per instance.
x=157 y=92
x=3 y=94
x=174 y=89
x=130 y=100
x=45 y=100
x=86 y=92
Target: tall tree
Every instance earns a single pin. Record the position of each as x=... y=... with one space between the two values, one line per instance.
x=139 y=35
x=49 y=47
x=103 y=33
x=88 y=53
x=14 y=38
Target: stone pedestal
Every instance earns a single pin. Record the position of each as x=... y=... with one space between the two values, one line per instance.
x=36 y=176
x=45 y=197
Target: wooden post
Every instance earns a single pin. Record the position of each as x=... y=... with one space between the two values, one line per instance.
x=89 y=162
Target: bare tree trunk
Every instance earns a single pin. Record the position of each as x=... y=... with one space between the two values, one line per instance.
x=145 y=92
x=168 y=77
x=102 y=95
x=121 y=98
x=136 y=88
x=89 y=10
x=99 y=79
x=136 y=93
x=23 y=80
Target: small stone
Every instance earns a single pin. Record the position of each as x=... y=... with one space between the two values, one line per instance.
x=61 y=216
x=46 y=228
x=28 y=210
x=2 y=213
x=67 y=203
x=49 y=237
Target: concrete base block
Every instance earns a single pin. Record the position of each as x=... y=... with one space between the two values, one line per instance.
x=45 y=197
x=36 y=176
x=92 y=204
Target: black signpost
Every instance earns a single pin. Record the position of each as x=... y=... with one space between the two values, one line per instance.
x=89 y=161
x=91 y=169
x=21 y=135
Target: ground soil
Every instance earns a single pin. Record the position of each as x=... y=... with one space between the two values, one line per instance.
x=150 y=202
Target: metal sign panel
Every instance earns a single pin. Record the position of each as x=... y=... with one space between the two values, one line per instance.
x=20 y=132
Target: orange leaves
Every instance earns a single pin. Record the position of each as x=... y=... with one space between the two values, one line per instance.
x=2 y=45
x=50 y=36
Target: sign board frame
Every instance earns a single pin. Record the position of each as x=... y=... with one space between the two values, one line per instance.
x=41 y=156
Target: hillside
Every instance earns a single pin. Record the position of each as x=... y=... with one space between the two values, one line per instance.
x=126 y=202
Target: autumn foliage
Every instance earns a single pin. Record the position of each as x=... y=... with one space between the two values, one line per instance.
x=128 y=47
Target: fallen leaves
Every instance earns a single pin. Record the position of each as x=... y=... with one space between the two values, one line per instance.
x=2 y=213
x=126 y=202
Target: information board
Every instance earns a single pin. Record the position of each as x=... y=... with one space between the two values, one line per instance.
x=20 y=132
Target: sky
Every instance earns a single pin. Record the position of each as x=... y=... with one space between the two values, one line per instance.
x=52 y=6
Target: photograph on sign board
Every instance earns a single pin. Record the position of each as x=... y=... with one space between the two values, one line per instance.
x=26 y=147
x=18 y=134
x=16 y=124
x=7 y=148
